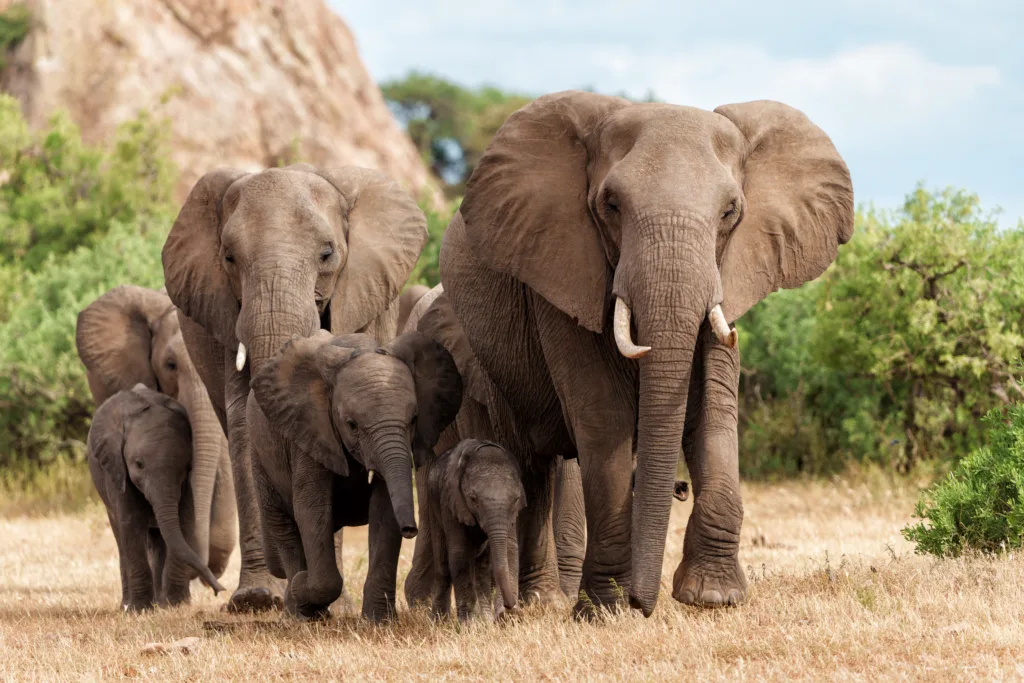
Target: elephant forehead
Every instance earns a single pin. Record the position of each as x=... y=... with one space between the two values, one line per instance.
x=374 y=372
x=282 y=202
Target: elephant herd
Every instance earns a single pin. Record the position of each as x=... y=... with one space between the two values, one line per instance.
x=537 y=400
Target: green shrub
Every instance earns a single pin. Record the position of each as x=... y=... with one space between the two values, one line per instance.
x=426 y=271
x=45 y=403
x=58 y=193
x=980 y=504
x=15 y=22
x=892 y=356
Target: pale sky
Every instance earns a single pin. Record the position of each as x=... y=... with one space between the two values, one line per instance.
x=909 y=90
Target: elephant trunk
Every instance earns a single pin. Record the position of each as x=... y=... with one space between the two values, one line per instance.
x=208 y=447
x=391 y=454
x=668 y=282
x=497 y=538
x=170 y=528
x=272 y=314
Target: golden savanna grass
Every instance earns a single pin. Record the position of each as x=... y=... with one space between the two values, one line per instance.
x=836 y=594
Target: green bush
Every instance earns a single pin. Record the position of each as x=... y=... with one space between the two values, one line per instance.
x=45 y=404
x=75 y=221
x=15 y=22
x=58 y=193
x=979 y=505
x=426 y=271
x=895 y=353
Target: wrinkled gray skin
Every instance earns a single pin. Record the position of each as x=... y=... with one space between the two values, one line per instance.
x=139 y=452
x=475 y=494
x=434 y=316
x=584 y=204
x=256 y=258
x=130 y=335
x=347 y=407
x=406 y=301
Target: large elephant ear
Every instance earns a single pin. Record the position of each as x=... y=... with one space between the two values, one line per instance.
x=799 y=205
x=438 y=387
x=114 y=337
x=526 y=210
x=193 y=273
x=385 y=233
x=453 y=497
x=294 y=390
x=440 y=324
x=106 y=438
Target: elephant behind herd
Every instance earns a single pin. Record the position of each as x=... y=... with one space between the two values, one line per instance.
x=590 y=279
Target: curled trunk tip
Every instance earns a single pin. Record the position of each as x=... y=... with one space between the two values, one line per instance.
x=623 y=335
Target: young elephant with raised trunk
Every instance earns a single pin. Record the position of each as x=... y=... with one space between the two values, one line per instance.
x=475 y=494
x=358 y=415
x=140 y=454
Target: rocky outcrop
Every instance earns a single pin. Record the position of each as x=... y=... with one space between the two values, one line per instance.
x=245 y=83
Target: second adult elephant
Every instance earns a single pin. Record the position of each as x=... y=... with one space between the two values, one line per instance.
x=613 y=243
x=129 y=336
x=255 y=258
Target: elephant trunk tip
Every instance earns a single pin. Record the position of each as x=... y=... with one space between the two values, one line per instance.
x=409 y=531
x=640 y=604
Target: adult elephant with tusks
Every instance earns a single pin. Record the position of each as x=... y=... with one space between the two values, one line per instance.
x=614 y=244
x=255 y=258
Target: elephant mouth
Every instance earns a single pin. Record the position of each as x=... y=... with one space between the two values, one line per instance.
x=324 y=306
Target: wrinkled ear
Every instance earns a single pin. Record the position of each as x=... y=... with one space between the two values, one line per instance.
x=385 y=234
x=453 y=496
x=114 y=337
x=106 y=441
x=193 y=272
x=799 y=205
x=294 y=389
x=438 y=384
x=526 y=210
x=440 y=324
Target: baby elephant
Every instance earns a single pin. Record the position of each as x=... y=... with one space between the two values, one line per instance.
x=140 y=453
x=475 y=493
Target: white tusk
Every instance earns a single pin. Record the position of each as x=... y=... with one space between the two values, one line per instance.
x=240 y=358
x=369 y=477
x=725 y=334
x=623 y=336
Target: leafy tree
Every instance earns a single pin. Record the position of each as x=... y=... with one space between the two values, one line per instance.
x=451 y=125
x=15 y=22
x=893 y=355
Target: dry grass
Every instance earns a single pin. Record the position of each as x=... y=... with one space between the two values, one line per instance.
x=836 y=593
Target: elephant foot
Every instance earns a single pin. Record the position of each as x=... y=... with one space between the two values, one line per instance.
x=256 y=592
x=380 y=614
x=296 y=601
x=418 y=588
x=600 y=594
x=137 y=606
x=710 y=583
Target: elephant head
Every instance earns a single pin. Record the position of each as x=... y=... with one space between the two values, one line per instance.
x=650 y=219
x=143 y=437
x=345 y=397
x=130 y=336
x=257 y=258
x=481 y=486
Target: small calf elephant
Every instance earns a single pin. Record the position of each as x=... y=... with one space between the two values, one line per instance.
x=140 y=454
x=475 y=495
x=339 y=411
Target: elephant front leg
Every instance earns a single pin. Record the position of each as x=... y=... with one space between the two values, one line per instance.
x=133 y=529
x=257 y=589
x=312 y=591
x=385 y=541
x=709 y=574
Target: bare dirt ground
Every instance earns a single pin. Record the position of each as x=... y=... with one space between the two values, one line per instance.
x=836 y=594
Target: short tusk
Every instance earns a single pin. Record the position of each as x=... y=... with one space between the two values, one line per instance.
x=725 y=334
x=369 y=477
x=623 y=336
x=240 y=358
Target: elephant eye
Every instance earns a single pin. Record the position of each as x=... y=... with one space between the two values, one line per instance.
x=415 y=419
x=730 y=211
x=612 y=203
x=171 y=365
x=352 y=424
x=139 y=465
x=229 y=258
x=326 y=253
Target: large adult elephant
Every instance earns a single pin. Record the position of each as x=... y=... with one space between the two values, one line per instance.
x=254 y=258
x=130 y=335
x=612 y=243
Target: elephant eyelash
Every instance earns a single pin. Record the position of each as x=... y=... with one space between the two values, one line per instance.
x=326 y=253
x=730 y=211
x=352 y=424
